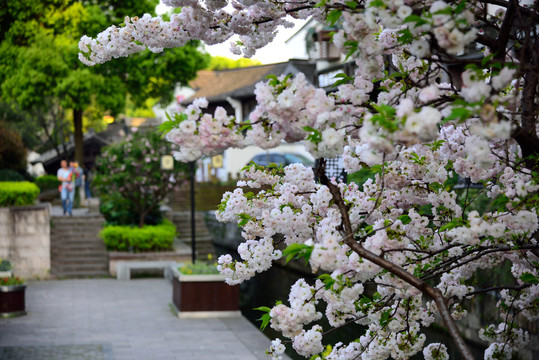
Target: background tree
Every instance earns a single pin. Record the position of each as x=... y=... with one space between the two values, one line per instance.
x=223 y=63
x=41 y=75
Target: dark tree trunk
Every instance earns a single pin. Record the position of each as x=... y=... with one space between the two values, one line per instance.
x=79 y=141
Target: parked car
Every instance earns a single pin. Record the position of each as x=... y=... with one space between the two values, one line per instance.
x=284 y=159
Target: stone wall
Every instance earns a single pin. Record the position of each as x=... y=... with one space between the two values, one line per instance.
x=25 y=239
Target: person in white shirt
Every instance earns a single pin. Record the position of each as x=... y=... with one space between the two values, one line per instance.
x=67 y=189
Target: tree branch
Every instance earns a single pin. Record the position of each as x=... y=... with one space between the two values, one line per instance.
x=433 y=293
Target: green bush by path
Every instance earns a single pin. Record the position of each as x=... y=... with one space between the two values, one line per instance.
x=147 y=238
x=11 y=175
x=47 y=182
x=18 y=193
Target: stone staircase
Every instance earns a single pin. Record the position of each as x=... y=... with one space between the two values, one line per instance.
x=76 y=249
x=204 y=245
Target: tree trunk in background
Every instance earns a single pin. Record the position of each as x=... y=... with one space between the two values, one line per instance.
x=79 y=141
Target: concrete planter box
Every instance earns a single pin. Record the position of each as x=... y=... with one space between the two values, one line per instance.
x=203 y=295
x=12 y=300
x=25 y=239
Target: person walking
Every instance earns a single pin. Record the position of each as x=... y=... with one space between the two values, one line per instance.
x=65 y=175
x=88 y=177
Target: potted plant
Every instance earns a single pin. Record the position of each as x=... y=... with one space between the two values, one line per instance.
x=12 y=301
x=200 y=291
x=5 y=268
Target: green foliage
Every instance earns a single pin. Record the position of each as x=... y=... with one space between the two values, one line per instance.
x=361 y=176
x=118 y=210
x=5 y=265
x=40 y=71
x=265 y=318
x=139 y=239
x=16 y=119
x=298 y=251
x=18 y=193
x=130 y=182
x=8 y=281
x=529 y=278
x=47 y=182
x=11 y=175
x=198 y=268
x=223 y=63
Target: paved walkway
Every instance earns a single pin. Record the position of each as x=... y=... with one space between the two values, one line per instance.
x=120 y=320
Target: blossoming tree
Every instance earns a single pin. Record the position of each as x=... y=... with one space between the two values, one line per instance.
x=440 y=89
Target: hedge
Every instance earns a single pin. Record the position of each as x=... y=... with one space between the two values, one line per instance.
x=147 y=238
x=11 y=175
x=47 y=182
x=18 y=193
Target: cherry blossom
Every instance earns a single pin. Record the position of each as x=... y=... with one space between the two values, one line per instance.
x=438 y=91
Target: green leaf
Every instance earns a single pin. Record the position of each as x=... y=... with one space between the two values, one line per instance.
x=384 y=319
x=315 y=136
x=415 y=18
x=406 y=36
x=500 y=203
x=244 y=219
x=333 y=16
x=343 y=79
x=297 y=251
x=327 y=280
x=460 y=114
x=460 y=7
x=529 y=278
x=377 y=4
x=265 y=318
x=352 y=47
x=405 y=219
x=273 y=80
x=351 y=4
x=451 y=225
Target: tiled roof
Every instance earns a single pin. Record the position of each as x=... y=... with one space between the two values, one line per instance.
x=239 y=83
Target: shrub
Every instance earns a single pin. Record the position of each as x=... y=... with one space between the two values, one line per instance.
x=139 y=239
x=5 y=265
x=11 y=175
x=18 y=193
x=47 y=182
x=8 y=281
x=199 y=268
x=118 y=210
x=130 y=181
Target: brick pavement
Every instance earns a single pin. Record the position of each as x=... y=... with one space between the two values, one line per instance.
x=120 y=320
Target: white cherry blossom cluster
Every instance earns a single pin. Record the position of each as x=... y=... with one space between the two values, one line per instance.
x=398 y=116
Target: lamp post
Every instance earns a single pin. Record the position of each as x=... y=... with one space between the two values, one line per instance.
x=193 y=237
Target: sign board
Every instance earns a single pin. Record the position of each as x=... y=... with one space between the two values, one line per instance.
x=217 y=161
x=167 y=162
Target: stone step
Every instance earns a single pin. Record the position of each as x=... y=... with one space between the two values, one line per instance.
x=81 y=267
x=77 y=251
x=82 y=238
x=81 y=222
x=57 y=252
x=93 y=228
x=80 y=264
x=74 y=274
